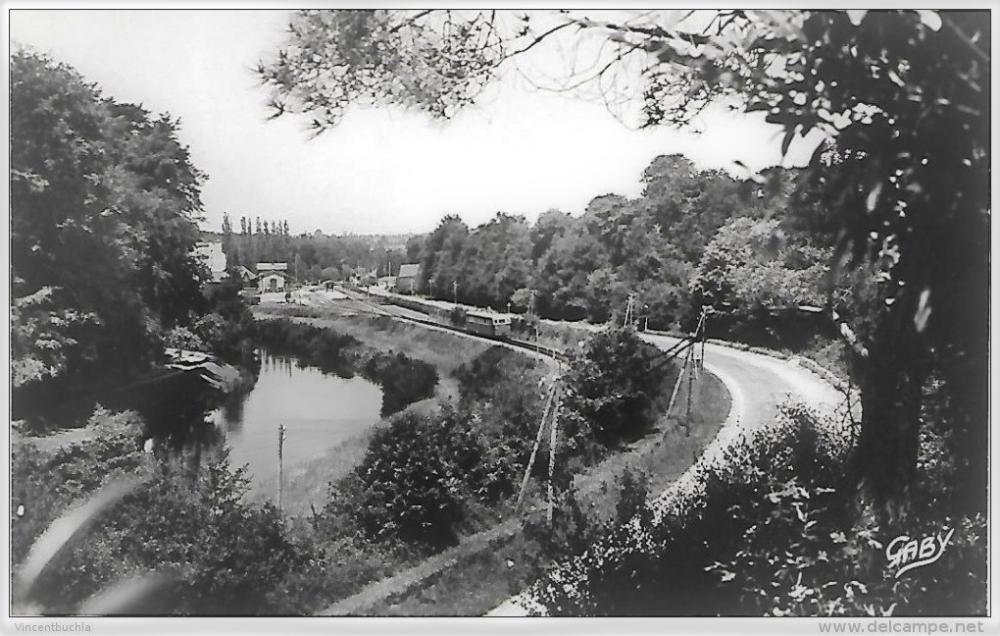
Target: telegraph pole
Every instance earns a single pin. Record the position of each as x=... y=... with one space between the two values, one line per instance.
x=552 y=454
x=690 y=381
x=538 y=442
x=281 y=462
x=629 y=310
x=704 y=335
x=455 y=289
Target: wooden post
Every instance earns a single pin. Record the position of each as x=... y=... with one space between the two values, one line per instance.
x=281 y=448
x=704 y=335
x=552 y=455
x=690 y=383
x=534 y=450
x=677 y=386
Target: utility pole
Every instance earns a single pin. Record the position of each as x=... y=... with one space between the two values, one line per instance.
x=704 y=334
x=281 y=464
x=552 y=454
x=690 y=382
x=531 y=303
x=455 y=290
x=538 y=442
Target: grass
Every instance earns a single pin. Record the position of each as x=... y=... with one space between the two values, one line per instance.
x=485 y=580
x=479 y=584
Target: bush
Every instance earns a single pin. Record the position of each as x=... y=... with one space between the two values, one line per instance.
x=186 y=521
x=613 y=386
x=772 y=528
x=227 y=556
x=403 y=379
x=414 y=480
x=46 y=482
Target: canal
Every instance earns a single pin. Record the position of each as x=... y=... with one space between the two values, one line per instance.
x=321 y=412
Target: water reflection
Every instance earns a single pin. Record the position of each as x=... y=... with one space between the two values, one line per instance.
x=319 y=410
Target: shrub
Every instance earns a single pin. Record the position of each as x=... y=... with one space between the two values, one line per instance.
x=613 y=385
x=771 y=528
x=46 y=482
x=403 y=379
x=186 y=521
x=414 y=479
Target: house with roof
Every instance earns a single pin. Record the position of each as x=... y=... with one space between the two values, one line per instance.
x=246 y=276
x=408 y=278
x=272 y=277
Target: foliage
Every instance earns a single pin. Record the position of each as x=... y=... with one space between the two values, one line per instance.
x=415 y=477
x=41 y=338
x=750 y=266
x=187 y=522
x=586 y=267
x=613 y=386
x=44 y=482
x=899 y=98
x=104 y=201
x=437 y=63
x=502 y=390
x=768 y=529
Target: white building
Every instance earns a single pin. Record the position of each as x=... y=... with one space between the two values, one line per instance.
x=271 y=277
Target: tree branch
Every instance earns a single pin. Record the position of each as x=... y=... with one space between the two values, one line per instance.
x=411 y=20
x=540 y=38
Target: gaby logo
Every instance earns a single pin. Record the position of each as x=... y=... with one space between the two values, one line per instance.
x=906 y=553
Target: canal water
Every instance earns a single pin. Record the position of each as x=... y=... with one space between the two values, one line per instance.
x=320 y=411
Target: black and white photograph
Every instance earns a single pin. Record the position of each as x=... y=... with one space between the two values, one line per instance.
x=499 y=312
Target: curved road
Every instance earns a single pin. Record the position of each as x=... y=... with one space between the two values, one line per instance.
x=757 y=385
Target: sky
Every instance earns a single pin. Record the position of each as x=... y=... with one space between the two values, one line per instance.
x=383 y=170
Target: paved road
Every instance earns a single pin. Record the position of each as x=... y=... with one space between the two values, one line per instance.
x=757 y=386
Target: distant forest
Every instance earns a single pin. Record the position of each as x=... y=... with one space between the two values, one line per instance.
x=692 y=238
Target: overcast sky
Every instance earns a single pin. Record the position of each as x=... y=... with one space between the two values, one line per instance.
x=379 y=170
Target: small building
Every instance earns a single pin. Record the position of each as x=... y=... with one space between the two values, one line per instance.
x=362 y=277
x=407 y=278
x=387 y=282
x=246 y=276
x=271 y=282
x=211 y=254
x=272 y=277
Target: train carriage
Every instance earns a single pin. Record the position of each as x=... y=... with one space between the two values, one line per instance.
x=488 y=324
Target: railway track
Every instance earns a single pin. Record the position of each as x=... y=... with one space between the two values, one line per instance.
x=516 y=343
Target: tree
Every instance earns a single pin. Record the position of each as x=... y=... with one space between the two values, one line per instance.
x=901 y=95
x=104 y=204
x=612 y=385
x=413 y=478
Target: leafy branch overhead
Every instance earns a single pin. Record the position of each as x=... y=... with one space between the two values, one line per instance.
x=899 y=100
